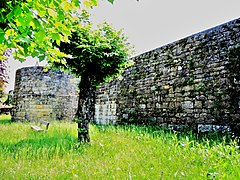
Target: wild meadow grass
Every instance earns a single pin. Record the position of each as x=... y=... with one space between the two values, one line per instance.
x=121 y=152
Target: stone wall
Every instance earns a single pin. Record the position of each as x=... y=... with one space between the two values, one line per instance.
x=50 y=95
x=106 y=105
x=191 y=82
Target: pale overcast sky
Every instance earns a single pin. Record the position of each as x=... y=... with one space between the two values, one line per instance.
x=152 y=23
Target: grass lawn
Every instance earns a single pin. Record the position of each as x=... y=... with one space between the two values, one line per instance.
x=114 y=153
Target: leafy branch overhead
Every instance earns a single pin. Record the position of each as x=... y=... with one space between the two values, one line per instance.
x=32 y=26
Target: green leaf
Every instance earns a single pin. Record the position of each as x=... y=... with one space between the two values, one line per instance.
x=1 y=36
x=41 y=58
x=56 y=36
x=21 y=29
x=87 y=4
x=40 y=9
x=60 y=15
x=25 y=47
x=39 y=36
x=2 y=18
x=17 y=11
x=52 y=13
x=35 y=53
x=37 y=24
x=56 y=3
x=76 y=3
x=95 y=2
x=10 y=15
x=65 y=5
x=21 y=20
x=111 y=1
x=28 y=19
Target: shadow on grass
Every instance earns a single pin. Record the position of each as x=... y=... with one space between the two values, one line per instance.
x=5 y=121
x=43 y=146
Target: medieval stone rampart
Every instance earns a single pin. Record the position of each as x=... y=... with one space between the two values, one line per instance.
x=191 y=82
x=48 y=95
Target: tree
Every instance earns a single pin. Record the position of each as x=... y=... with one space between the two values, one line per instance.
x=94 y=56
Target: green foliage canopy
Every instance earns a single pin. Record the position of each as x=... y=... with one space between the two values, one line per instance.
x=31 y=26
x=97 y=54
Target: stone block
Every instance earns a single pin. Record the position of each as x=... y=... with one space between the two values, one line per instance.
x=187 y=105
x=198 y=104
x=142 y=106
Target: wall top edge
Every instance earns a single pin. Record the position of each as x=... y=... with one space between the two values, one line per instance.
x=215 y=28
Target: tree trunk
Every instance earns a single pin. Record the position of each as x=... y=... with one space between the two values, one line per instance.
x=86 y=108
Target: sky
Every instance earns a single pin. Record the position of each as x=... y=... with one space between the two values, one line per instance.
x=150 y=24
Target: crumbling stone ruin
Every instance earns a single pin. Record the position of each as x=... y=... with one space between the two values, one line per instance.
x=44 y=95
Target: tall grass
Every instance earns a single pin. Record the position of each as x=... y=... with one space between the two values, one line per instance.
x=114 y=153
